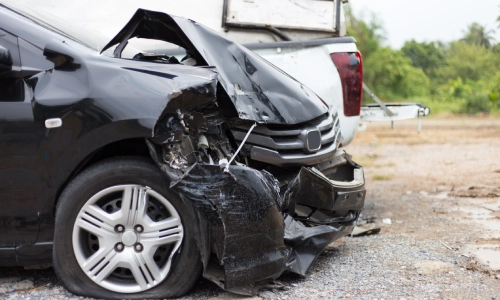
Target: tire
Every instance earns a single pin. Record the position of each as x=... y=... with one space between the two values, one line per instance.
x=151 y=235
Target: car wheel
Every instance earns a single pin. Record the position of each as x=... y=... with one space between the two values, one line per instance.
x=120 y=233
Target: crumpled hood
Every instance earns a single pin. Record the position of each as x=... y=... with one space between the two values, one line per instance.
x=259 y=91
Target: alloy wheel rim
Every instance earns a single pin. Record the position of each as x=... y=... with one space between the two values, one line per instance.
x=125 y=236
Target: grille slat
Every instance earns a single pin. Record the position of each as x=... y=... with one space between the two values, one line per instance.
x=268 y=142
x=285 y=140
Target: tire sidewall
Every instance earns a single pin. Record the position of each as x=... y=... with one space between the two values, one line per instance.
x=98 y=178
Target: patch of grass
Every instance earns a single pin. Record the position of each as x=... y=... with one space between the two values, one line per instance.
x=441 y=107
x=381 y=177
x=477 y=106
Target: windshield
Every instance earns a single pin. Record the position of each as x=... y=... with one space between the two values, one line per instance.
x=90 y=38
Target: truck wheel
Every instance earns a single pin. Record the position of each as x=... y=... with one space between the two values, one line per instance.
x=120 y=233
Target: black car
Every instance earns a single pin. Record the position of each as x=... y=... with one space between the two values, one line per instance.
x=135 y=173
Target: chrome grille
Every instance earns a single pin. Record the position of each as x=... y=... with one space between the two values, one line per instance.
x=287 y=145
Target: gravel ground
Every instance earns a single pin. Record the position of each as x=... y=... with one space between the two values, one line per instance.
x=422 y=183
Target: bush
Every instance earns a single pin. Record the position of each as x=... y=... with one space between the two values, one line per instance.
x=468 y=62
x=390 y=74
x=480 y=96
x=476 y=102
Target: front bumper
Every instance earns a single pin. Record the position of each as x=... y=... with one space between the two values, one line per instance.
x=330 y=193
x=250 y=232
x=328 y=198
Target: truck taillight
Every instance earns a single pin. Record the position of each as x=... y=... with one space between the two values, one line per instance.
x=350 y=67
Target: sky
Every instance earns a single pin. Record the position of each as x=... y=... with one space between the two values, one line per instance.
x=429 y=20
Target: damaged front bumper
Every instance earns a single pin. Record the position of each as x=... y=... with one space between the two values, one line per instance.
x=265 y=207
x=251 y=230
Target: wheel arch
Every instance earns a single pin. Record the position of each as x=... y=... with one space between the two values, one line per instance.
x=126 y=147
x=116 y=139
x=40 y=253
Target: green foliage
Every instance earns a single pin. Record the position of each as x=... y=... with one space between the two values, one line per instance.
x=478 y=35
x=388 y=72
x=496 y=49
x=391 y=74
x=458 y=77
x=427 y=56
x=438 y=106
x=368 y=34
x=468 y=62
x=484 y=95
x=476 y=103
x=481 y=96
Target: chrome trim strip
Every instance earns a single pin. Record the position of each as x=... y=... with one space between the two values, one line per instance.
x=290 y=160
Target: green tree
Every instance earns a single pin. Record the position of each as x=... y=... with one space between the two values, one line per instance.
x=393 y=77
x=427 y=56
x=496 y=48
x=481 y=96
x=468 y=61
x=484 y=95
x=463 y=76
x=368 y=34
x=477 y=34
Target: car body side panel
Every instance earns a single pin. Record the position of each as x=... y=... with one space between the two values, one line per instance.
x=99 y=117
x=19 y=139
x=19 y=182
x=100 y=102
x=8 y=257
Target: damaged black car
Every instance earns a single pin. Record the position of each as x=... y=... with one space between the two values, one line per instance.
x=135 y=175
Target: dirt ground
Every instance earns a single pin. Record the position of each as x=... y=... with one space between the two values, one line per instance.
x=454 y=167
x=439 y=195
x=440 y=186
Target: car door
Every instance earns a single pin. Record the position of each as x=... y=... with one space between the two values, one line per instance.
x=19 y=178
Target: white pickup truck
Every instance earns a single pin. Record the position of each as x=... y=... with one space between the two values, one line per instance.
x=305 y=38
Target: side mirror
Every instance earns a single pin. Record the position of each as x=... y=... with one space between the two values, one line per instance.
x=5 y=60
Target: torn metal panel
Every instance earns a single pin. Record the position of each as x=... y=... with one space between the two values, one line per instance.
x=259 y=91
x=215 y=273
x=250 y=232
x=307 y=243
x=245 y=222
